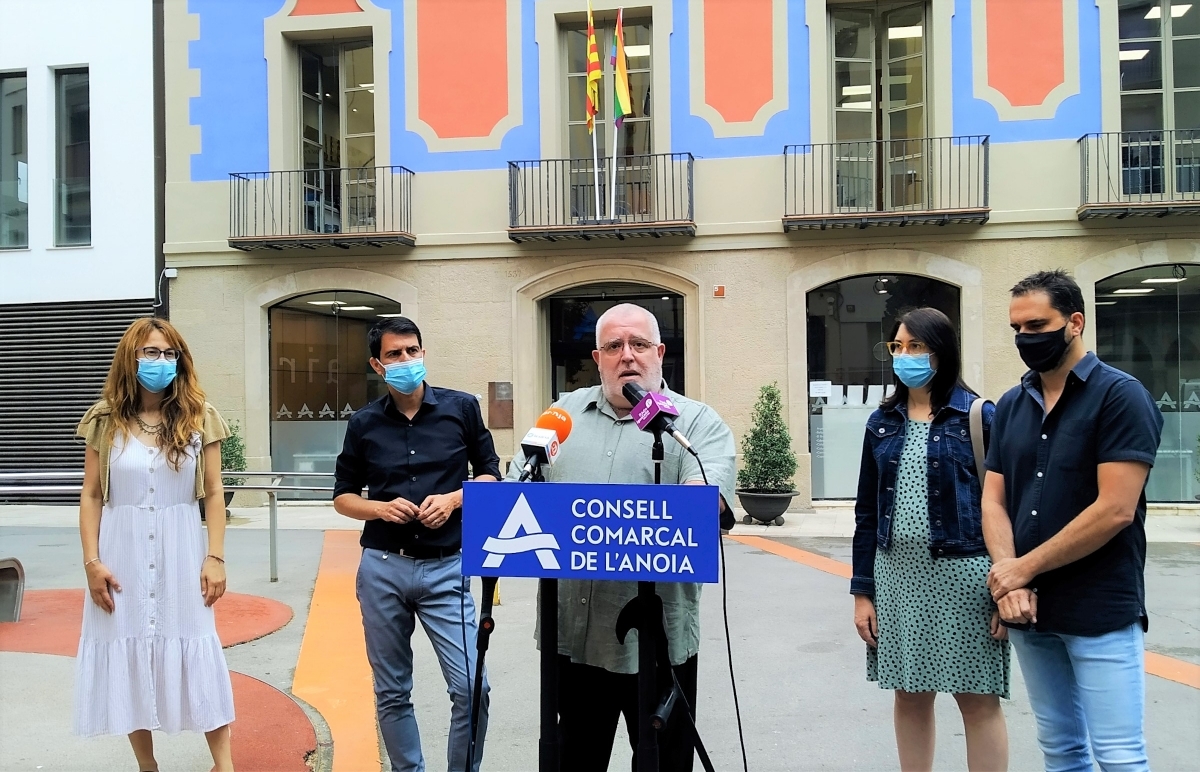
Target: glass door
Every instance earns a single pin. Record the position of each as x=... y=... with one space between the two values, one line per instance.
x=879 y=114
x=1148 y=324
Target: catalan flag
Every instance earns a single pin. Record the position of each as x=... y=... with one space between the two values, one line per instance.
x=593 y=73
x=622 y=104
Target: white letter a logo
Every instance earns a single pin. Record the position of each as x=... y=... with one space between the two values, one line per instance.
x=509 y=543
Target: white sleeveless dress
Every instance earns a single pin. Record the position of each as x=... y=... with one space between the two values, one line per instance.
x=156 y=661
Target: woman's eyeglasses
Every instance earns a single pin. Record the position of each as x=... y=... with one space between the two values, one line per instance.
x=150 y=352
x=913 y=347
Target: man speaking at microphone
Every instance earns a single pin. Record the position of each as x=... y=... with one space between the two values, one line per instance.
x=410 y=449
x=597 y=674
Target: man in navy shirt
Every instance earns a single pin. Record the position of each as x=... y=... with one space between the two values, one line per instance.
x=1064 y=518
x=410 y=449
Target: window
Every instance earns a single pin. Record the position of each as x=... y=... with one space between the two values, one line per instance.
x=337 y=137
x=14 y=163
x=1148 y=324
x=320 y=375
x=632 y=141
x=73 y=172
x=1159 y=60
x=879 y=111
x=849 y=368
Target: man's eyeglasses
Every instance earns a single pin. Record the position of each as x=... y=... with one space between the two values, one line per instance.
x=150 y=352
x=914 y=347
x=637 y=345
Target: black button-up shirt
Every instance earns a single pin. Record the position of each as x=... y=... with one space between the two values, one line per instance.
x=1049 y=463
x=394 y=457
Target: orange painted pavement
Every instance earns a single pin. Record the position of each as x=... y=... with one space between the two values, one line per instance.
x=1025 y=50
x=810 y=559
x=318 y=7
x=462 y=65
x=739 y=64
x=333 y=674
x=51 y=621
x=1160 y=665
x=271 y=732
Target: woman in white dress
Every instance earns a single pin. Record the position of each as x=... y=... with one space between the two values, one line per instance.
x=149 y=656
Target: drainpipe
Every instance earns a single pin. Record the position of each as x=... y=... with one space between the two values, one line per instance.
x=162 y=287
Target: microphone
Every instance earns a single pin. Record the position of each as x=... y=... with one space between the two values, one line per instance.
x=653 y=411
x=542 y=442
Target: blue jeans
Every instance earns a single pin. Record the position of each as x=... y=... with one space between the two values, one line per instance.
x=393 y=593
x=1087 y=688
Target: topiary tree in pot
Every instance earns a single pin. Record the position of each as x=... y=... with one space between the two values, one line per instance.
x=233 y=459
x=765 y=481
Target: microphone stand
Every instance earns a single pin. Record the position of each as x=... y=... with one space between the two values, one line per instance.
x=548 y=750
x=655 y=703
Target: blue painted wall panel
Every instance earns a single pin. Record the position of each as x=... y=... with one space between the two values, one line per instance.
x=1077 y=115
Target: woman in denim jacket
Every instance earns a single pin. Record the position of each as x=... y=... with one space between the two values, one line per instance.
x=921 y=601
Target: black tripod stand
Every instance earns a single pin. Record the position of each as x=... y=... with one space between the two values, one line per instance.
x=658 y=688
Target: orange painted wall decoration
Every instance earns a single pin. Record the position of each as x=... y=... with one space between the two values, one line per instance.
x=319 y=7
x=462 y=65
x=1025 y=50
x=738 y=57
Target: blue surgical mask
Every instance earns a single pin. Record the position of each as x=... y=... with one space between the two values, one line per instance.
x=914 y=371
x=155 y=374
x=405 y=377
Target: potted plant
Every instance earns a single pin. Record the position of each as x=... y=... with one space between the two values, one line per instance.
x=765 y=481
x=233 y=459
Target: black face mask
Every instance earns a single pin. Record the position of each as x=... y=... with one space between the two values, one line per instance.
x=1043 y=351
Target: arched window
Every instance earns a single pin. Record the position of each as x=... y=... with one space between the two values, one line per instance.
x=320 y=375
x=1148 y=324
x=849 y=368
x=572 y=314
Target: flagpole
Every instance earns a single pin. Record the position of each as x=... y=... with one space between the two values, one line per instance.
x=596 y=168
x=612 y=189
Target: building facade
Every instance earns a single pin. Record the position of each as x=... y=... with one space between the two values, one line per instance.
x=793 y=175
x=77 y=238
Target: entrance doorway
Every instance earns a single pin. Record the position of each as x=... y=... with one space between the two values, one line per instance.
x=849 y=368
x=320 y=376
x=572 y=316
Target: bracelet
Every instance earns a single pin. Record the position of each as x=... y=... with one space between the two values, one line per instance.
x=214 y=557
x=88 y=563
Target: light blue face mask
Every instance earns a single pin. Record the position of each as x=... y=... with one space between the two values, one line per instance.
x=914 y=371
x=405 y=377
x=155 y=374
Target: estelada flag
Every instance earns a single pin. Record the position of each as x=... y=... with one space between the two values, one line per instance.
x=593 y=73
x=622 y=103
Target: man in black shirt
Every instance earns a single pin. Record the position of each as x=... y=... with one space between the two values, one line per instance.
x=410 y=449
x=1064 y=518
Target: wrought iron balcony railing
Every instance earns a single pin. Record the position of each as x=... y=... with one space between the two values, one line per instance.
x=555 y=199
x=313 y=208
x=1139 y=174
x=924 y=181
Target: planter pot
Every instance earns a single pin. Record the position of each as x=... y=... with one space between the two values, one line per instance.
x=765 y=506
x=228 y=500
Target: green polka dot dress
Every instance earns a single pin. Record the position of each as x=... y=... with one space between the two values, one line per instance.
x=933 y=614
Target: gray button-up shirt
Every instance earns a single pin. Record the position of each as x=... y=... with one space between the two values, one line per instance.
x=603 y=448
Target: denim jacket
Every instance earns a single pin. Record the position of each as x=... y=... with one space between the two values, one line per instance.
x=955 y=492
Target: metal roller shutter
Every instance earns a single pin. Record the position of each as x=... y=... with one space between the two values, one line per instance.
x=54 y=358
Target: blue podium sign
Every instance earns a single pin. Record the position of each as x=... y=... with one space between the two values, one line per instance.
x=657 y=533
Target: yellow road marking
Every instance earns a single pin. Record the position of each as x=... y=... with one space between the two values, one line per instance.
x=333 y=674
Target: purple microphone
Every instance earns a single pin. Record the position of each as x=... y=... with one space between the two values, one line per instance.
x=653 y=412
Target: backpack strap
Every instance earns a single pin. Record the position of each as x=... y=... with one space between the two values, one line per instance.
x=976 y=421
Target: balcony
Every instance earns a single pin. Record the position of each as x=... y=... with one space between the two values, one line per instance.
x=314 y=208
x=1139 y=174
x=556 y=200
x=900 y=182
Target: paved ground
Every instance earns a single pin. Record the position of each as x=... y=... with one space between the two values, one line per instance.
x=799 y=664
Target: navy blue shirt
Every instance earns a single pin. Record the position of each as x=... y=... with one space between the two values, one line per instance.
x=1049 y=464
x=393 y=457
